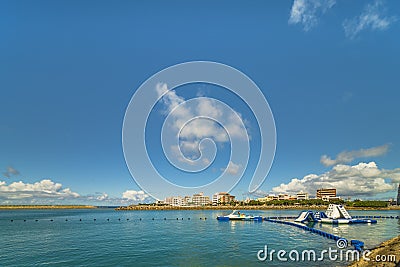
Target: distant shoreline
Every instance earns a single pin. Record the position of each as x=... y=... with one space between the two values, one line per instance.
x=312 y=207
x=33 y=207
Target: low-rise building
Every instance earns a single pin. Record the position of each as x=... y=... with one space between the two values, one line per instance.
x=186 y=201
x=283 y=196
x=302 y=196
x=267 y=198
x=326 y=193
x=222 y=198
x=200 y=199
x=174 y=201
x=328 y=198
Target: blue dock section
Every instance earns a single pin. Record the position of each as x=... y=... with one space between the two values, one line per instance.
x=358 y=245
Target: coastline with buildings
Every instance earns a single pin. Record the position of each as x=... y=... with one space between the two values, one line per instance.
x=226 y=201
x=245 y=207
x=301 y=200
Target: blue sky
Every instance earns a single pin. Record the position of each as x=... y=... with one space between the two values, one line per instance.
x=329 y=70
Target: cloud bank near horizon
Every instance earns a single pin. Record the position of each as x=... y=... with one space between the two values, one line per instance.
x=47 y=191
x=363 y=179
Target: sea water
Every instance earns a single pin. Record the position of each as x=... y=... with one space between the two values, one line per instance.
x=105 y=237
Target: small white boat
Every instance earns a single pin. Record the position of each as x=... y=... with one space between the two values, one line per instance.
x=238 y=216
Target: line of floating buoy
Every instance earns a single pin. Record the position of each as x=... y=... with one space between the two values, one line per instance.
x=376 y=217
x=119 y=219
x=265 y=218
x=281 y=218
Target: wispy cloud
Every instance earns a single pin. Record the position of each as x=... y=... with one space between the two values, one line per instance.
x=10 y=172
x=372 y=17
x=363 y=179
x=349 y=156
x=232 y=168
x=347 y=96
x=307 y=12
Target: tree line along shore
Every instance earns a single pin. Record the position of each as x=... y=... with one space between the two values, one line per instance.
x=251 y=205
x=275 y=204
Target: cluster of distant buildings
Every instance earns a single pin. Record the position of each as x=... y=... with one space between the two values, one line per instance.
x=325 y=194
x=198 y=199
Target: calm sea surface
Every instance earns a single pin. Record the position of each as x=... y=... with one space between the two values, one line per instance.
x=67 y=241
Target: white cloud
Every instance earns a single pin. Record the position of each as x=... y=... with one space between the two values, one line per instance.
x=193 y=122
x=372 y=17
x=232 y=168
x=128 y=197
x=48 y=192
x=44 y=189
x=170 y=99
x=102 y=197
x=135 y=196
x=307 y=12
x=363 y=179
x=349 y=156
